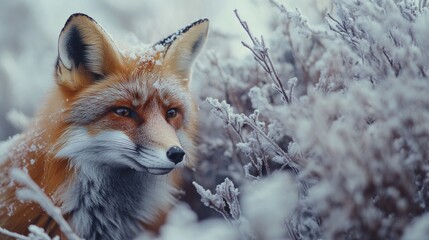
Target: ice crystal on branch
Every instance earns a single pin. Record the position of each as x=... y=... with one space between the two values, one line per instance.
x=225 y=200
x=224 y=111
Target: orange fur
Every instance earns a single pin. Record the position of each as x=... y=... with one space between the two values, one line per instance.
x=37 y=149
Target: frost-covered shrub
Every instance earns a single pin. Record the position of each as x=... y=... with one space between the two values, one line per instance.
x=353 y=129
x=322 y=132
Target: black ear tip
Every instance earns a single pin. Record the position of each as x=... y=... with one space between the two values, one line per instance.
x=76 y=15
x=170 y=39
x=205 y=20
x=185 y=29
x=201 y=21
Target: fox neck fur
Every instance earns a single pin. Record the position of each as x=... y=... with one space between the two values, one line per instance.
x=105 y=201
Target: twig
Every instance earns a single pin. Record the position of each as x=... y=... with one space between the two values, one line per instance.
x=261 y=55
x=229 y=119
x=32 y=192
x=13 y=235
x=278 y=149
x=391 y=62
x=290 y=231
x=263 y=156
x=226 y=194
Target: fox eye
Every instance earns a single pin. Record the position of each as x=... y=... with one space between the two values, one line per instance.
x=123 y=111
x=172 y=112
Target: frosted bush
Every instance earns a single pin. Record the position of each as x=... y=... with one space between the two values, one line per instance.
x=226 y=197
x=322 y=132
x=354 y=132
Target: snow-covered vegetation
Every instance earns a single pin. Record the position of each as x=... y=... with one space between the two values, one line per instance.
x=320 y=132
x=350 y=123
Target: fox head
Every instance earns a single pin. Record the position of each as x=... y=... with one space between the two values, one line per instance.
x=126 y=110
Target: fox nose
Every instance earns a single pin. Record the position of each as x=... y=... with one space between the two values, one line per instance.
x=175 y=154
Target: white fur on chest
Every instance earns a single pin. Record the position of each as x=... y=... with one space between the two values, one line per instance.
x=111 y=203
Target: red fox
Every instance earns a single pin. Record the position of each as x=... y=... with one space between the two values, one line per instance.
x=107 y=145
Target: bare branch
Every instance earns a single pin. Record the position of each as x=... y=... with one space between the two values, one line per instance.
x=260 y=52
x=13 y=235
x=278 y=149
x=32 y=192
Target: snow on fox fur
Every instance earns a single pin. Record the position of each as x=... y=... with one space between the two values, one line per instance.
x=109 y=141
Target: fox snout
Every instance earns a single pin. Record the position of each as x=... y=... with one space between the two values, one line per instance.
x=175 y=154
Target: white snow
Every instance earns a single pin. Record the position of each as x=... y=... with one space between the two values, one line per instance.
x=37 y=233
x=268 y=205
x=182 y=225
x=5 y=147
x=418 y=229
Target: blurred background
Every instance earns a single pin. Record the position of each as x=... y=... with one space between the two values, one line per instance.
x=29 y=32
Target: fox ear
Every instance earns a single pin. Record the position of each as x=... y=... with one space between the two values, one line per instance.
x=183 y=47
x=85 y=52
